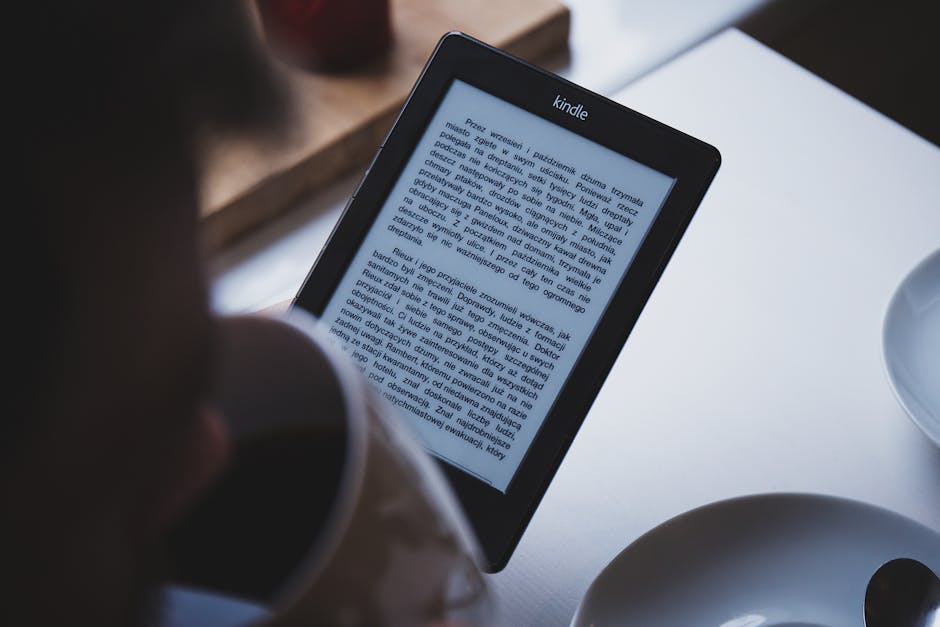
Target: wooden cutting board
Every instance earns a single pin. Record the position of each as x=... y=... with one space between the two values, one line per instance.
x=342 y=118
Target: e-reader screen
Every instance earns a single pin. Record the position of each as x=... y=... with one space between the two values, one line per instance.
x=487 y=270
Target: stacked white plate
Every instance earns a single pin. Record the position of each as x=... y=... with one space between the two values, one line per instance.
x=774 y=560
x=911 y=343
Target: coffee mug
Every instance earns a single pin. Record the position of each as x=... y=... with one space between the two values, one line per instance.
x=330 y=513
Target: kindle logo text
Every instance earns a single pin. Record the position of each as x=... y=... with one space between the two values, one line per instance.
x=575 y=111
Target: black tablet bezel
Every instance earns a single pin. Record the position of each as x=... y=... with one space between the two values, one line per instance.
x=500 y=519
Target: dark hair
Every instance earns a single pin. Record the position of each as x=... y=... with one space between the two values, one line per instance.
x=120 y=84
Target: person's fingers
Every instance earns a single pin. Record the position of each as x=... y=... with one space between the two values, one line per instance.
x=276 y=309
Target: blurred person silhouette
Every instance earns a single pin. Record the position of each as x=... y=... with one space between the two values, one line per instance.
x=110 y=436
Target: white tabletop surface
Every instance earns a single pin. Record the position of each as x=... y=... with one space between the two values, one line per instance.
x=756 y=365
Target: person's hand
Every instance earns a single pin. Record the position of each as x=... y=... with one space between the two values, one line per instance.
x=276 y=309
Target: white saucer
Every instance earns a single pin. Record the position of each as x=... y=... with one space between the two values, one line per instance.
x=770 y=561
x=911 y=344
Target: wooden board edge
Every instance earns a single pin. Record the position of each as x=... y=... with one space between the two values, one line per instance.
x=278 y=192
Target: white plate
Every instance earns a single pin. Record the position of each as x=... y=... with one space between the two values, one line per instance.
x=911 y=343
x=770 y=560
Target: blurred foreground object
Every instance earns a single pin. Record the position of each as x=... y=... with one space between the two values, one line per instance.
x=330 y=512
x=327 y=34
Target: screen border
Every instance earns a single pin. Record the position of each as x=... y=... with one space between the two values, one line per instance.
x=499 y=519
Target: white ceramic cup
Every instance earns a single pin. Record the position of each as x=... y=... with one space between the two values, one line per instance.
x=383 y=540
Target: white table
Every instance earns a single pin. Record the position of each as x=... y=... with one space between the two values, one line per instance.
x=756 y=365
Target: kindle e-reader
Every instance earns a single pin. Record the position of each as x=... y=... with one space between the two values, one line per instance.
x=492 y=262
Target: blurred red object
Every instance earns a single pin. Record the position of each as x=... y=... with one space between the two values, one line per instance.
x=327 y=34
